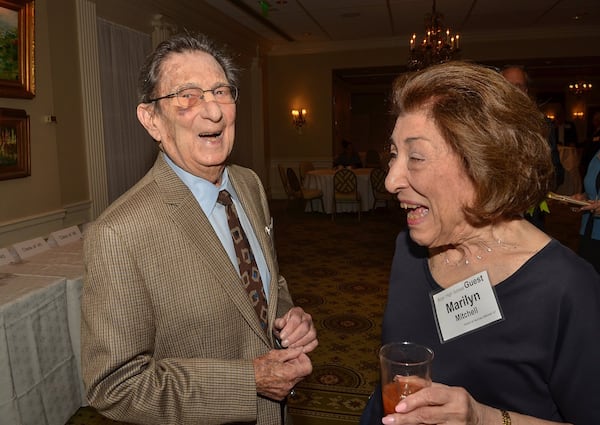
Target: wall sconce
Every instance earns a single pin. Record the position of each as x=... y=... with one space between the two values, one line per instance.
x=299 y=118
x=580 y=87
x=578 y=115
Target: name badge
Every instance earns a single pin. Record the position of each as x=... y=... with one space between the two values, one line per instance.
x=65 y=236
x=31 y=247
x=465 y=307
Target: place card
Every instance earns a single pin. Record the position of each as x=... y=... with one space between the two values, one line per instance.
x=65 y=236
x=6 y=257
x=31 y=247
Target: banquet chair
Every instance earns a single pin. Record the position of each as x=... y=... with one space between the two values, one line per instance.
x=305 y=167
x=286 y=185
x=302 y=193
x=380 y=193
x=372 y=159
x=345 y=190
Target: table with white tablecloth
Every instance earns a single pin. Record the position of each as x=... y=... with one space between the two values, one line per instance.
x=323 y=179
x=39 y=379
x=40 y=364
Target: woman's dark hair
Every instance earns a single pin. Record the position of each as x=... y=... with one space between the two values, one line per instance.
x=180 y=43
x=496 y=129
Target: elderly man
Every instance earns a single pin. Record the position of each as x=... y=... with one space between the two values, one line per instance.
x=183 y=304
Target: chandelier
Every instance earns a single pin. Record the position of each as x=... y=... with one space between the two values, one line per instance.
x=438 y=45
x=580 y=87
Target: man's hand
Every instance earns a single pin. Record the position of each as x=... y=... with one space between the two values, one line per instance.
x=278 y=371
x=296 y=329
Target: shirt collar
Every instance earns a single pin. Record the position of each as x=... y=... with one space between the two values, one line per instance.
x=205 y=192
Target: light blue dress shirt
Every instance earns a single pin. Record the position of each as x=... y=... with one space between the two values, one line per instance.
x=206 y=194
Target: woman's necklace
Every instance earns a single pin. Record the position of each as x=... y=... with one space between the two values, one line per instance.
x=465 y=259
x=480 y=252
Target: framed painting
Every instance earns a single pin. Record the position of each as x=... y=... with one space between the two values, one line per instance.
x=17 y=67
x=15 y=159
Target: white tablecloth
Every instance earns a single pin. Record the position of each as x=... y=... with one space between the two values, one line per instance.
x=42 y=297
x=323 y=179
x=39 y=379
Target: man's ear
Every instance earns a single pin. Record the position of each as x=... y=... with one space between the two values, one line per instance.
x=147 y=116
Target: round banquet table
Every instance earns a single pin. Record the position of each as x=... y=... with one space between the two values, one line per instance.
x=322 y=178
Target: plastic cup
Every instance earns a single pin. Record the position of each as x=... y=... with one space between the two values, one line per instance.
x=405 y=369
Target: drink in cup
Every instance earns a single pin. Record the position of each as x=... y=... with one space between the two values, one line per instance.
x=405 y=369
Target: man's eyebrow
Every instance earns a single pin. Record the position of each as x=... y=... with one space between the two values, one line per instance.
x=187 y=86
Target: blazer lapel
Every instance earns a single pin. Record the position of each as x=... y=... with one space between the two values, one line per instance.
x=194 y=225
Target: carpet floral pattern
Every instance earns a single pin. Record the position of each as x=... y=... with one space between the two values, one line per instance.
x=338 y=272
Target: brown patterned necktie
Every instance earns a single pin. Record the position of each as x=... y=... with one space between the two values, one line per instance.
x=248 y=269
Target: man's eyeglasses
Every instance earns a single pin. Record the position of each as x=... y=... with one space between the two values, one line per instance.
x=186 y=98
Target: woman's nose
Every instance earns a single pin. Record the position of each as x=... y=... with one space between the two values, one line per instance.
x=395 y=179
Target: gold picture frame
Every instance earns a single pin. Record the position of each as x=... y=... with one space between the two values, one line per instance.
x=15 y=157
x=17 y=66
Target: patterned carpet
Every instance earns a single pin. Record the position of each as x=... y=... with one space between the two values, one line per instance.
x=338 y=272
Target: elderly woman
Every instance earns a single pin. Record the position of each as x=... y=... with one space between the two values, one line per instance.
x=512 y=315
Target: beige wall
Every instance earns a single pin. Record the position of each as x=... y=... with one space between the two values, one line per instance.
x=56 y=193
x=306 y=81
x=66 y=90
x=40 y=192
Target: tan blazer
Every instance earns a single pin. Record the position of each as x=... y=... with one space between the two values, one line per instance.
x=168 y=334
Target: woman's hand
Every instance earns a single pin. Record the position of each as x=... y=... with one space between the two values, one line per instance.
x=444 y=405
x=441 y=404
x=593 y=207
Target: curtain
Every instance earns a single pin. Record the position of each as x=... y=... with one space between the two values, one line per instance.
x=130 y=151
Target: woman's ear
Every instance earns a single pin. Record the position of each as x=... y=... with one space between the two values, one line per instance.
x=147 y=117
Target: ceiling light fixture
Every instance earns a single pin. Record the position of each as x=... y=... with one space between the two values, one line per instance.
x=438 y=45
